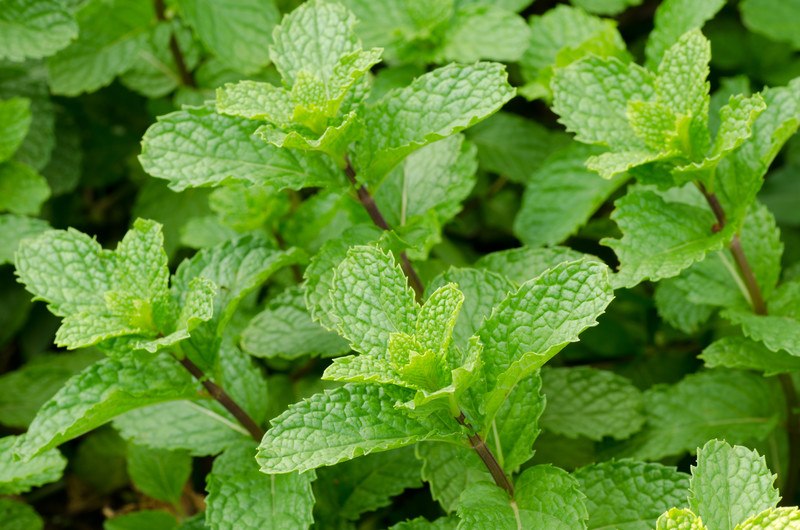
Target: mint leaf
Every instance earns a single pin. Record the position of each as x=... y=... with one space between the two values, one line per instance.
x=771 y=19
x=17 y=476
x=675 y=308
x=435 y=105
x=773 y=518
x=738 y=406
x=674 y=18
x=22 y=189
x=516 y=424
x=344 y=423
x=420 y=523
x=158 y=473
x=110 y=36
x=255 y=100
x=220 y=26
x=352 y=488
x=34 y=30
x=13 y=229
x=545 y=497
x=594 y=403
x=660 y=238
x=560 y=197
x=15 y=115
x=743 y=353
x=521 y=264
x=680 y=519
x=484 y=32
x=606 y=7
x=629 y=495
x=730 y=484
x=152 y=519
x=777 y=333
x=284 y=329
x=15 y=515
x=184 y=148
x=449 y=470
x=239 y=496
x=99 y=393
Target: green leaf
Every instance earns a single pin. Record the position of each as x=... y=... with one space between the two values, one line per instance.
x=680 y=519
x=449 y=470
x=371 y=299
x=344 y=423
x=159 y=473
x=484 y=32
x=743 y=353
x=546 y=498
x=777 y=333
x=352 y=488
x=513 y=146
x=15 y=515
x=591 y=97
x=629 y=495
x=18 y=476
x=772 y=19
x=284 y=329
x=538 y=320
x=777 y=518
x=583 y=401
x=606 y=7
x=28 y=387
x=184 y=148
x=239 y=496
x=516 y=425
x=151 y=519
x=436 y=105
x=101 y=461
x=730 y=484
x=255 y=100
x=660 y=238
x=420 y=523
x=13 y=229
x=111 y=34
x=99 y=393
x=677 y=310
x=223 y=26
x=31 y=30
x=521 y=264
x=22 y=189
x=673 y=19
x=15 y=115
x=560 y=197
x=738 y=406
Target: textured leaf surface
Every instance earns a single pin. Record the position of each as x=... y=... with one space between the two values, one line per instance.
x=13 y=229
x=436 y=105
x=591 y=403
x=99 y=393
x=449 y=470
x=485 y=32
x=680 y=519
x=545 y=497
x=240 y=497
x=15 y=115
x=224 y=26
x=743 y=353
x=521 y=264
x=19 y=476
x=629 y=495
x=344 y=423
x=197 y=147
x=111 y=35
x=674 y=18
x=730 y=484
x=786 y=518
x=34 y=29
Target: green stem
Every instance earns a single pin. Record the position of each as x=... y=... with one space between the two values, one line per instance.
x=180 y=63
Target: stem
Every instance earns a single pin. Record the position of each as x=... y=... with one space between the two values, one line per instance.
x=224 y=399
x=480 y=447
x=369 y=204
x=760 y=308
x=177 y=56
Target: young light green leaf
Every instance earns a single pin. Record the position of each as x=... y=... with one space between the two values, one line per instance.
x=660 y=238
x=371 y=299
x=449 y=469
x=110 y=37
x=31 y=30
x=680 y=519
x=344 y=423
x=774 y=518
x=15 y=115
x=593 y=403
x=545 y=498
x=484 y=32
x=560 y=197
x=681 y=81
x=16 y=515
x=255 y=100
x=239 y=496
x=222 y=26
x=19 y=476
x=674 y=18
x=591 y=97
x=22 y=189
x=730 y=484
x=13 y=229
x=159 y=473
x=435 y=106
x=521 y=264
x=99 y=393
x=743 y=353
x=629 y=495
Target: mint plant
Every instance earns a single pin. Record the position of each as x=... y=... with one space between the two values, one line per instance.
x=316 y=264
